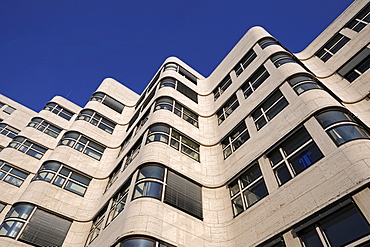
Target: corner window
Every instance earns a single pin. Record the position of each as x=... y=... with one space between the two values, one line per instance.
x=253 y=82
x=168 y=135
x=281 y=58
x=12 y=175
x=227 y=108
x=108 y=101
x=247 y=189
x=338 y=228
x=163 y=184
x=82 y=144
x=332 y=46
x=269 y=109
x=293 y=155
x=96 y=119
x=303 y=82
x=356 y=66
x=29 y=224
x=244 y=62
x=341 y=127
x=221 y=87
x=63 y=177
x=8 y=130
x=234 y=139
x=25 y=146
x=142 y=242
x=265 y=42
x=172 y=105
x=179 y=86
x=45 y=127
x=183 y=72
x=58 y=110
x=360 y=20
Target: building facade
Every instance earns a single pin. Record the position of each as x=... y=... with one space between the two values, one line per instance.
x=272 y=149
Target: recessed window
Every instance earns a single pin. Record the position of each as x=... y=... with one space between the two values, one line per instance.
x=303 y=82
x=227 y=108
x=163 y=184
x=221 y=87
x=58 y=110
x=108 y=101
x=63 y=177
x=45 y=127
x=27 y=223
x=179 y=86
x=356 y=66
x=282 y=58
x=172 y=105
x=332 y=46
x=341 y=127
x=269 y=109
x=265 y=42
x=168 y=135
x=96 y=119
x=253 y=82
x=360 y=20
x=294 y=155
x=26 y=146
x=247 y=189
x=12 y=175
x=8 y=130
x=234 y=139
x=244 y=62
x=183 y=72
x=79 y=142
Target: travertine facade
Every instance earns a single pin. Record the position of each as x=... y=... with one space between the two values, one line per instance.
x=272 y=149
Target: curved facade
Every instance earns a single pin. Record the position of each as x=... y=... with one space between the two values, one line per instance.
x=272 y=149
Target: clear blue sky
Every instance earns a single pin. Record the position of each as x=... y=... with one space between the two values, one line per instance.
x=68 y=47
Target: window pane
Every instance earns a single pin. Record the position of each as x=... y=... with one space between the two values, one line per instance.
x=330 y=117
x=137 y=242
x=20 y=211
x=310 y=238
x=345 y=133
x=306 y=157
x=237 y=205
x=149 y=189
x=10 y=228
x=151 y=172
x=255 y=193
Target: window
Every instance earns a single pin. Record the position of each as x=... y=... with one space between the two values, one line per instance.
x=2 y=206
x=96 y=119
x=341 y=127
x=269 y=109
x=281 y=58
x=108 y=101
x=253 y=82
x=294 y=155
x=142 y=242
x=141 y=123
x=227 y=108
x=8 y=130
x=1 y=148
x=25 y=146
x=96 y=226
x=29 y=224
x=360 y=20
x=45 y=127
x=277 y=241
x=125 y=142
x=338 y=226
x=247 y=189
x=166 y=134
x=177 y=68
x=12 y=175
x=179 y=86
x=332 y=46
x=9 y=110
x=267 y=42
x=114 y=175
x=172 y=105
x=356 y=66
x=221 y=87
x=132 y=120
x=244 y=62
x=134 y=151
x=118 y=202
x=179 y=192
x=234 y=139
x=58 y=110
x=1 y=104
x=79 y=142
x=303 y=82
x=63 y=177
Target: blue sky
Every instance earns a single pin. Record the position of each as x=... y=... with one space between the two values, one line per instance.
x=68 y=47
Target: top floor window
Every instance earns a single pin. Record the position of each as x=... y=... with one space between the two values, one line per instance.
x=332 y=46
x=45 y=127
x=360 y=20
x=179 y=86
x=303 y=82
x=25 y=146
x=356 y=66
x=244 y=62
x=177 y=68
x=281 y=58
x=8 y=130
x=96 y=119
x=9 y=110
x=267 y=42
x=221 y=87
x=228 y=108
x=253 y=82
x=58 y=110
x=108 y=101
